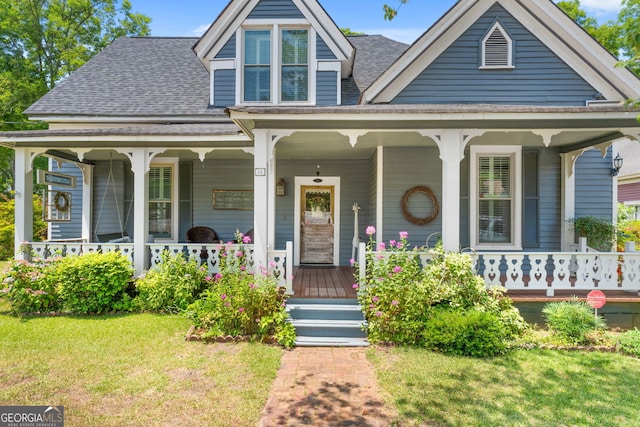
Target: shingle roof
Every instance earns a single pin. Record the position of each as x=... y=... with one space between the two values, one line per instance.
x=374 y=54
x=134 y=77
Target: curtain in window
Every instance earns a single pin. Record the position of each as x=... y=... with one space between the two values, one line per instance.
x=160 y=201
x=257 y=65
x=495 y=199
x=295 y=70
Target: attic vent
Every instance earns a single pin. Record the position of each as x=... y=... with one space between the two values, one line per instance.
x=496 y=49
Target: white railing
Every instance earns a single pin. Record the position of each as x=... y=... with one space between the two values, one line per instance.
x=279 y=261
x=545 y=271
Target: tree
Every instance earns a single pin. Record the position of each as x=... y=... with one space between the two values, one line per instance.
x=391 y=12
x=607 y=34
x=629 y=20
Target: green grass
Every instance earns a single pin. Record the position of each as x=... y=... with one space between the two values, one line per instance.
x=132 y=370
x=524 y=388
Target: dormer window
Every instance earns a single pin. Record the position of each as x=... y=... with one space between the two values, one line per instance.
x=276 y=71
x=497 y=49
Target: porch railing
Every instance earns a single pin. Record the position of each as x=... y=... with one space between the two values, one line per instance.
x=204 y=254
x=547 y=271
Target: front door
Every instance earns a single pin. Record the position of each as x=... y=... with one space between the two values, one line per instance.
x=317 y=230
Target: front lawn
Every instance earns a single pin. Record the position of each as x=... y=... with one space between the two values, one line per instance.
x=132 y=370
x=523 y=388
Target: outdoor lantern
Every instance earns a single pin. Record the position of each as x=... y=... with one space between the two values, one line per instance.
x=280 y=187
x=617 y=164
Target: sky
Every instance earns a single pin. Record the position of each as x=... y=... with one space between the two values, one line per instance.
x=192 y=17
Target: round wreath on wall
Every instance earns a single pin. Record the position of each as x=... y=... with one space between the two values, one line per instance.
x=62 y=201
x=426 y=191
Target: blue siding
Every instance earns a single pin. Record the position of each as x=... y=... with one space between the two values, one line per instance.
x=275 y=9
x=322 y=50
x=327 y=88
x=73 y=229
x=224 y=88
x=405 y=168
x=539 y=77
x=354 y=187
x=594 y=186
x=221 y=175
x=228 y=50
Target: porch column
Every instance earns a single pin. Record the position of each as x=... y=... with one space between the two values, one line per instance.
x=140 y=167
x=568 y=198
x=451 y=143
x=87 y=198
x=260 y=196
x=23 y=200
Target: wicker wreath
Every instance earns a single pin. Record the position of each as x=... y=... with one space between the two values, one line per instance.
x=421 y=189
x=62 y=201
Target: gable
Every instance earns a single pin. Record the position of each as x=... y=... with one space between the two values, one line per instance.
x=460 y=75
x=542 y=27
x=220 y=40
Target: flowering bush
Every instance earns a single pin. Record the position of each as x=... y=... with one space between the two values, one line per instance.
x=28 y=287
x=399 y=297
x=171 y=285
x=239 y=303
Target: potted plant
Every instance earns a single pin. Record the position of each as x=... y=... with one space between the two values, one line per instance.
x=599 y=231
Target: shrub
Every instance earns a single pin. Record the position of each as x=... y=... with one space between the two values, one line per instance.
x=29 y=288
x=465 y=333
x=171 y=285
x=241 y=304
x=629 y=342
x=572 y=320
x=399 y=298
x=599 y=231
x=7 y=224
x=93 y=282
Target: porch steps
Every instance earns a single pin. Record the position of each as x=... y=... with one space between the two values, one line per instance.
x=327 y=322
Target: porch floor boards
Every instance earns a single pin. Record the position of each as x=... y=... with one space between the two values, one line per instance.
x=530 y=295
x=323 y=282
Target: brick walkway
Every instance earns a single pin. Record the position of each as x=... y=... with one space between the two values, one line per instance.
x=325 y=386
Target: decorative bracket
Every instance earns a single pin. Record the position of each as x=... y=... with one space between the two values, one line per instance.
x=353 y=135
x=546 y=135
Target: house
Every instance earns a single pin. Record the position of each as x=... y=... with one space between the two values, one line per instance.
x=629 y=176
x=493 y=129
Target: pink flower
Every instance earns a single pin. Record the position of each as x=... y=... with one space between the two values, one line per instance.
x=394 y=303
x=227 y=304
x=354 y=286
x=371 y=230
x=371 y=306
x=218 y=276
x=382 y=246
x=239 y=254
x=378 y=314
x=243 y=268
x=208 y=278
x=375 y=299
x=352 y=261
x=272 y=264
x=252 y=285
x=246 y=239
x=241 y=309
x=397 y=269
x=223 y=297
x=404 y=234
x=392 y=243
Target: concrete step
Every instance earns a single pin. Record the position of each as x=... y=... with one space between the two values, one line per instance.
x=325 y=311
x=329 y=328
x=331 y=342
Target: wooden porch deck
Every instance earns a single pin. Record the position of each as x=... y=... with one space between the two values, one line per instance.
x=323 y=282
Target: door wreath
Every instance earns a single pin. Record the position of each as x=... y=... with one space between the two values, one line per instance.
x=421 y=189
x=62 y=201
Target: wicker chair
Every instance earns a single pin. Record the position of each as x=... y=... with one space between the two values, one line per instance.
x=201 y=234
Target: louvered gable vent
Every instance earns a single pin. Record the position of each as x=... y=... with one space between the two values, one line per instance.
x=496 y=49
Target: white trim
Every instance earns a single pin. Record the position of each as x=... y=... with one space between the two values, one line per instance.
x=174 y=163
x=483 y=53
x=516 y=200
x=223 y=64
x=328 y=65
x=379 y=195
x=326 y=181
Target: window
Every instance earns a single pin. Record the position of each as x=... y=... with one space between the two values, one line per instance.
x=163 y=214
x=295 y=72
x=276 y=72
x=257 y=65
x=497 y=49
x=496 y=204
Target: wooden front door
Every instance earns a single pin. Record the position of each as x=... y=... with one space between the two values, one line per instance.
x=317 y=225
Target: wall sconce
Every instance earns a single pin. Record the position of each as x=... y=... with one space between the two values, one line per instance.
x=280 y=187
x=617 y=165
x=318 y=180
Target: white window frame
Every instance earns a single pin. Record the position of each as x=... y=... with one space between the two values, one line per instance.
x=515 y=152
x=509 y=64
x=173 y=163
x=276 y=27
